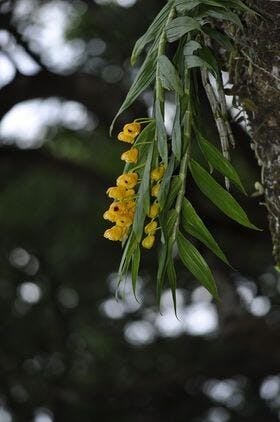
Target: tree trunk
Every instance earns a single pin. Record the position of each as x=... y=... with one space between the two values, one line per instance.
x=258 y=86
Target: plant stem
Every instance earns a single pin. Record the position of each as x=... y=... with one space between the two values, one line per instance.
x=184 y=160
x=161 y=49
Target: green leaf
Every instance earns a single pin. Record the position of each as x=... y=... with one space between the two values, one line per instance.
x=206 y=54
x=126 y=256
x=219 y=162
x=143 y=200
x=181 y=26
x=176 y=132
x=193 y=224
x=190 y=47
x=221 y=14
x=195 y=61
x=183 y=6
x=218 y=195
x=165 y=183
x=143 y=79
x=168 y=75
x=196 y=264
x=216 y=35
x=205 y=58
x=161 y=271
x=135 y=268
x=169 y=222
x=216 y=3
x=161 y=134
x=152 y=32
x=175 y=186
x=172 y=279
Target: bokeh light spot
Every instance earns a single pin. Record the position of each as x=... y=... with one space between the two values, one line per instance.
x=29 y=292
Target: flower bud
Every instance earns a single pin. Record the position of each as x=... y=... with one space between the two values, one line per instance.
x=154 y=210
x=148 y=242
x=151 y=227
x=157 y=173
x=155 y=190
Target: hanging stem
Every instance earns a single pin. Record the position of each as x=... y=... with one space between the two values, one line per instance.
x=159 y=91
x=185 y=158
x=220 y=123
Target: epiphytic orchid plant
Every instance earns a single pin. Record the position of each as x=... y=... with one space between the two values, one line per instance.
x=149 y=201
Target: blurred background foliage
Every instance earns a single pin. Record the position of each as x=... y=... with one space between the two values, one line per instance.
x=69 y=351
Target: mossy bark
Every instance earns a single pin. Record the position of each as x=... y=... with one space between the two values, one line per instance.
x=257 y=83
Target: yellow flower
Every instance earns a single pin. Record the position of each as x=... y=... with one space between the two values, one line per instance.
x=120 y=192
x=148 y=242
x=126 y=137
x=117 y=207
x=111 y=216
x=131 y=205
x=128 y=180
x=117 y=192
x=132 y=129
x=129 y=193
x=155 y=190
x=154 y=210
x=114 y=233
x=125 y=220
x=151 y=227
x=157 y=173
x=130 y=156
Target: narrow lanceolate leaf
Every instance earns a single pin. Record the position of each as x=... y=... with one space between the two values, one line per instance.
x=172 y=279
x=135 y=268
x=161 y=271
x=205 y=57
x=127 y=255
x=175 y=186
x=219 y=162
x=190 y=47
x=168 y=75
x=176 y=132
x=221 y=14
x=152 y=32
x=165 y=183
x=181 y=26
x=193 y=225
x=206 y=54
x=196 y=264
x=220 y=38
x=219 y=196
x=216 y=3
x=161 y=134
x=195 y=61
x=171 y=219
x=143 y=79
x=143 y=200
x=183 y=6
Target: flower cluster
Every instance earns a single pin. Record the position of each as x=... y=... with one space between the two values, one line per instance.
x=122 y=210
x=150 y=229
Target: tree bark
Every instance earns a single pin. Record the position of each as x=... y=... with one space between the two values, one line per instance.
x=258 y=87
